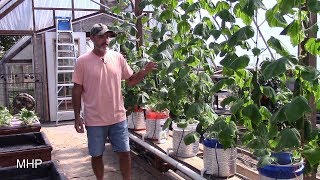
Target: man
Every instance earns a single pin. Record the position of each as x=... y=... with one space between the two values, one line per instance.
x=97 y=79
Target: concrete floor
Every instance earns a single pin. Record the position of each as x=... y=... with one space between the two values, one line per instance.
x=71 y=154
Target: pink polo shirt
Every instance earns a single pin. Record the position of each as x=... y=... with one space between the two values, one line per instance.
x=102 y=97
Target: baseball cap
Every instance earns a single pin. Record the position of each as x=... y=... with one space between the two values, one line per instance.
x=100 y=29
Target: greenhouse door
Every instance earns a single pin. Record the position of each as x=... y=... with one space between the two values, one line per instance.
x=60 y=102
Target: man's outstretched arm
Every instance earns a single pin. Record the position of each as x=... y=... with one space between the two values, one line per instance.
x=138 y=77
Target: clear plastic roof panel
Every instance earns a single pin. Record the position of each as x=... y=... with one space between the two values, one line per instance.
x=85 y=4
x=6 y=4
x=21 y=17
x=53 y=3
x=44 y=18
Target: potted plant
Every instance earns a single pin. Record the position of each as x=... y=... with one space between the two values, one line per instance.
x=184 y=44
x=27 y=117
x=24 y=122
x=5 y=117
x=220 y=154
x=284 y=128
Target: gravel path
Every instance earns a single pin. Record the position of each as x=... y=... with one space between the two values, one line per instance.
x=71 y=153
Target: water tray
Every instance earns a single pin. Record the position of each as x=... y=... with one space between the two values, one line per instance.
x=29 y=146
x=46 y=171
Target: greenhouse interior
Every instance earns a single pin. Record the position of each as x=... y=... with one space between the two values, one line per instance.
x=202 y=89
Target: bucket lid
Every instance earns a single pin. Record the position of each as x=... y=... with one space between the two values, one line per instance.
x=212 y=143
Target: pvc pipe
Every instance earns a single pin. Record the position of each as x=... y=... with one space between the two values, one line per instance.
x=187 y=171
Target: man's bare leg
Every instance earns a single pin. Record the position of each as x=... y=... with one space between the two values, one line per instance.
x=98 y=167
x=125 y=164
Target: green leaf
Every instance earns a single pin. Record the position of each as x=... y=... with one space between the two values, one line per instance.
x=216 y=34
x=275 y=19
x=164 y=30
x=297 y=108
x=155 y=33
x=309 y=74
x=182 y=124
x=193 y=110
x=183 y=27
x=269 y=92
x=312 y=154
x=313 y=5
x=276 y=68
x=261 y=152
x=181 y=87
x=168 y=44
x=198 y=29
x=237 y=63
x=295 y=33
x=288 y=138
x=174 y=65
x=143 y=4
x=208 y=5
x=266 y=114
x=205 y=77
x=184 y=71
x=129 y=45
x=116 y=9
x=121 y=38
x=252 y=112
x=276 y=45
x=221 y=5
x=307 y=131
x=221 y=84
x=286 y=6
x=173 y=4
x=157 y=3
x=133 y=31
x=226 y=16
x=262 y=131
x=166 y=15
x=279 y=116
x=313 y=46
x=266 y=160
x=193 y=7
x=257 y=143
x=236 y=106
x=192 y=61
x=167 y=124
x=248 y=7
x=256 y=51
x=242 y=34
x=143 y=98
x=273 y=130
x=247 y=20
x=191 y=138
x=228 y=100
x=259 y=5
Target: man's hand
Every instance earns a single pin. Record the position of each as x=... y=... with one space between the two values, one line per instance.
x=78 y=125
x=137 y=77
x=150 y=66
